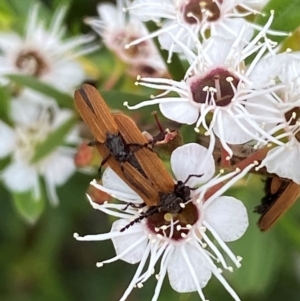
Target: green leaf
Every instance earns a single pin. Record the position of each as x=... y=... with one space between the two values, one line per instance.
x=262 y=253
x=30 y=209
x=175 y=67
x=6 y=15
x=53 y=140
x=286 y=16
x=5 y=98
x=116 y=99
x=63 y=100
x=4 y=162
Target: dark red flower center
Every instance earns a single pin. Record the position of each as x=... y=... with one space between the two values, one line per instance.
x=194 y=11
x=159 y=223
x=293 y=116
x=124 y=38
x=31 y=63
x=215 y=86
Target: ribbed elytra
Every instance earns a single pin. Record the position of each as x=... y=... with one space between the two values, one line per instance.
x=280 y=195
x=142 y=169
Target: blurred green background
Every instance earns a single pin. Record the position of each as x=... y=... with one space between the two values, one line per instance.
x=45 y=263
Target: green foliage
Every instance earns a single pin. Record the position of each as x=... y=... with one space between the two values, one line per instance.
x=4 y=104
x=28 y=207
x=6 y=15
x=53 y=140
x=286 y=16
x=175 y=67
x=262 y=252
x=63 y=100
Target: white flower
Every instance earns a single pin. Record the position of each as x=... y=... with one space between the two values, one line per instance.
x=218 y=82
x=43 y=53
x=187 y=251
x=284 y=158
x=117 y=30
x=32 y=125
x=183 y=17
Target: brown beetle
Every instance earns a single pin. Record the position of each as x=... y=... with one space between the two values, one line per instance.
x=146 y=175
x=280 y=195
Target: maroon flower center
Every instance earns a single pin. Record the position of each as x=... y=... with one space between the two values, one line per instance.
x=158 y=223
x=124 y=38
x=194 y=11
x=288 y=116
x=217 y=86
x=31 y=63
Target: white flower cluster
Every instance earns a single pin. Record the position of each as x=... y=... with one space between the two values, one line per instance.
x=45 y=54
x=236 y=88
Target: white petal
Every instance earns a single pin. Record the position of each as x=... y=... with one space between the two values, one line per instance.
x=269 y=110
x=58 y=167
x=286 y=163
x=20 y=177
x=167 y=39
x=190 y=159
x=112 y=181
x=268 y=68
x=121 y=243
x=232 y=133
x=228 y=217
x=182 y=112
x=108 y=13
x=24 y=110
x=217 y=50
x=71 y=75
x=154 y=10
x=180 y=274
x=7 y=138
x=235 y=25
x=61 y=117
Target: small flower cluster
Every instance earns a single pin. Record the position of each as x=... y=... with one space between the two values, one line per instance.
x=33 y=119
x=238 y=90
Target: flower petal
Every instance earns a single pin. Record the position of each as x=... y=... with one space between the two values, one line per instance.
x=20 y=177
x=285 y=163
x=228 y=128
x=182 y=112
x=180 y=274
x=58 y=167
x=7 y=138
x=228 y=216
x=190 y=159
x=167 y=39
x=121 y=243
x=112 y=181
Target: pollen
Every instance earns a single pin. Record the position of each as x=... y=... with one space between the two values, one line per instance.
x=168 y=217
